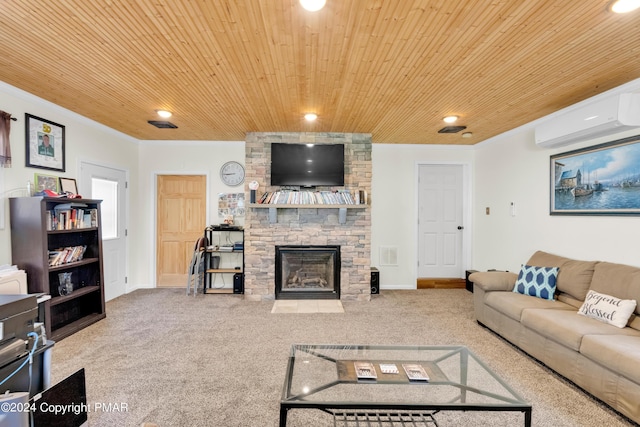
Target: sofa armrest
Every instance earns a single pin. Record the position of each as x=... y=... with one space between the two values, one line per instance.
x=494 y=280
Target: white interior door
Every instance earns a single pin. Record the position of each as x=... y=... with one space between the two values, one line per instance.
x=440 y=221
x=109 y=185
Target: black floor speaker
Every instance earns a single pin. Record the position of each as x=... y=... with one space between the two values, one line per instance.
x=238 y=283
x=375 y=281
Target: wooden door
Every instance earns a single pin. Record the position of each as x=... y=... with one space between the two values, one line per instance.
x=181 y=219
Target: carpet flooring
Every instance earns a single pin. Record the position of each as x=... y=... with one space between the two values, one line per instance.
x=307 y=306
x=218 y=360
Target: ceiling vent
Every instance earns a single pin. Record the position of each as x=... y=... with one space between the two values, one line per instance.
x=600 y=118
x=162 y=124
x=452 y=129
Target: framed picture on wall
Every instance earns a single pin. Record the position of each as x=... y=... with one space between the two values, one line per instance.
x=44 y=144
x=599 y=180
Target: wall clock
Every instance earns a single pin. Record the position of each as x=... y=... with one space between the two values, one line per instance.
x=232 y=173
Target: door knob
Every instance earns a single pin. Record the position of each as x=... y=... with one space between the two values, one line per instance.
x=460 y=227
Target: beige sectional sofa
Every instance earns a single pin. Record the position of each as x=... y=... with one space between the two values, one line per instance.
x=601 y=358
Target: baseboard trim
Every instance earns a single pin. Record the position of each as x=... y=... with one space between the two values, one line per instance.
x=440 y=283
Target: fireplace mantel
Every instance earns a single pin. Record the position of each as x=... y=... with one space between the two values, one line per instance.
x=273 y=209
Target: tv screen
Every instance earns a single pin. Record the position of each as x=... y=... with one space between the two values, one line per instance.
x=307 y=165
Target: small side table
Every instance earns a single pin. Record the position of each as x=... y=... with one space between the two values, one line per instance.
x=469 y=284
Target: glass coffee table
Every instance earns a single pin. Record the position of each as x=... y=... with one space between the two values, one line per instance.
x=375 y=385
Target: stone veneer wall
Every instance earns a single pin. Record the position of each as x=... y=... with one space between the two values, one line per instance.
x=308 y=226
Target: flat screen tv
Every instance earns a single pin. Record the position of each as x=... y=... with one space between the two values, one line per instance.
x=307 y=165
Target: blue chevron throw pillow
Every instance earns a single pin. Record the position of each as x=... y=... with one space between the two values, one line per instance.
x=537 y=281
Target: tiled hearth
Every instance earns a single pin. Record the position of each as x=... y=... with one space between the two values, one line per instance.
x=287 y=306
x=308 y=226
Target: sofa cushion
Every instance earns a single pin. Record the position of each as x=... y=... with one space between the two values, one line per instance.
x=566 y=327
x=574 y=277
x=512 y=304
x=607 y=308
x=618 y=280
x=568 y=299
x=537 y=281
x=618 y=353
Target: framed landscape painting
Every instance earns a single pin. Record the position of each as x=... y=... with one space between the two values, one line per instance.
x=599 y=180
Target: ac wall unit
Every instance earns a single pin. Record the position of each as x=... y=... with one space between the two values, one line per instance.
x=600 y=118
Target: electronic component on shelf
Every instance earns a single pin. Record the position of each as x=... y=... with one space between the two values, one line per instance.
x=225 y=227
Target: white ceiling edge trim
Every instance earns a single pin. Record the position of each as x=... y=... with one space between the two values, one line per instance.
x=29 y=97
x=632 y=86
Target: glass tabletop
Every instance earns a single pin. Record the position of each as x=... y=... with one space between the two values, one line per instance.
x=442 y=377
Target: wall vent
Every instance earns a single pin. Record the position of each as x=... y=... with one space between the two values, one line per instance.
x=388 y=255
x=162 y=124
x=604 y=117
x=452 y=129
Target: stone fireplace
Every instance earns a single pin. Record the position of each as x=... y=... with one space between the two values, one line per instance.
x=307 y=272
x=350 y=230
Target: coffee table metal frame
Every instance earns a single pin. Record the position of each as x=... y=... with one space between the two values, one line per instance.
x=508 y=400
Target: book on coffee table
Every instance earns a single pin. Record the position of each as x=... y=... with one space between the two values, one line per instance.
x=415 y=372
x=365 y=370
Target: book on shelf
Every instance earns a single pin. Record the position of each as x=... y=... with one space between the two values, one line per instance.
x=62 y=218
x=287 y=197
x=66 y=255
x=361 y=197
x=365 y=370
x=415 y=372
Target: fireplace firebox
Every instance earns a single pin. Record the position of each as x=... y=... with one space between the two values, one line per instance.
x=307 y=272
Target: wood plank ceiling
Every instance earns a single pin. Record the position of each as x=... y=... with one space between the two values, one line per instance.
x=392 y=68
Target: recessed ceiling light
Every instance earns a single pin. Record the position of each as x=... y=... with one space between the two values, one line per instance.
x=450 y=119
x=310 y=117
x=164 y=113
x=313 y=5
x=467 y=135
x=624 y=6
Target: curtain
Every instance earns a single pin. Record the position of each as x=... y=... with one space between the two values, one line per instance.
x=5 y=146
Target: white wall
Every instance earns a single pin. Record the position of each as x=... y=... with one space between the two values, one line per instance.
x=179 y=158
x=84 y=140
x=87 y=140
x=511 y=168
x=394 y=207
